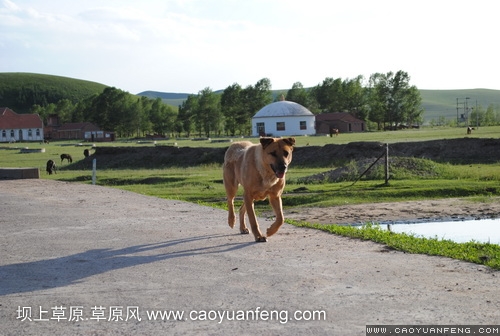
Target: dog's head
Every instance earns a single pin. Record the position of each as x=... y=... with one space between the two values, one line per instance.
x=278 y=154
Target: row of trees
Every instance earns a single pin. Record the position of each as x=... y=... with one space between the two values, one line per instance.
x=386 y=99
x=115 y=110
x=230 y=112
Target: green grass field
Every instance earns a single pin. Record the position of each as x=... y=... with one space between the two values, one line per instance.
x=203 y=184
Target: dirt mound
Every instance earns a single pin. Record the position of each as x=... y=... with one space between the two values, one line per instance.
x=150 y=157
x=463 y=150
x=374 y=170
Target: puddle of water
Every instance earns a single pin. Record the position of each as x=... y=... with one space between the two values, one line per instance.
x=483 y=230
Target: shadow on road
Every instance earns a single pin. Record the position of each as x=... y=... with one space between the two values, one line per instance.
x=64 y=271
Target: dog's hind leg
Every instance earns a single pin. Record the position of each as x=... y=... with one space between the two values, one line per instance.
x=230 y=207
x=278 y=211
x=231 y=186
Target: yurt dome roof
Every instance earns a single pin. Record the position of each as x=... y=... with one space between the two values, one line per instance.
x=282 y=109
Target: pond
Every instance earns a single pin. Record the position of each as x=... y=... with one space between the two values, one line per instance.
x=482 y=230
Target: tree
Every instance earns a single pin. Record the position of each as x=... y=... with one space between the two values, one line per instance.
x=116 y=110
x=329 y=95
x=337 y=95
x=255 y=98
x=412 y=104
x=392 y=100
x=82 y=109
x=162 y=117
x=37 y=109
x=298 y=94
x=355 y=97
x=231 y=103
x=489 y=115
x=186 y=114
x=64 y=109
x=378 y=95
x=208 y=116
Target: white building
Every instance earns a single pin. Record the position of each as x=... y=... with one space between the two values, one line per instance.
x=283 y=118
x=20 y=127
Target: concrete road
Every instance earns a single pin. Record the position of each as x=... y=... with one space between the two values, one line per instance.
x=79 y=259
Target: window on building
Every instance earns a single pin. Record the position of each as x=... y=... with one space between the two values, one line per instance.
x=303 y=125
x=280 y=126
x=11 y=133
x=37 y=132
x=30 y=132
x=4 y=133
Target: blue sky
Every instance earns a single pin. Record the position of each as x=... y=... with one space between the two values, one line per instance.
x=189 y=45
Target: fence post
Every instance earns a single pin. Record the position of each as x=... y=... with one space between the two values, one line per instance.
x=93 y=171
x=386 y=164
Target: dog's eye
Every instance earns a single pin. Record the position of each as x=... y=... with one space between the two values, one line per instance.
x=285 y=153
x=274 y=154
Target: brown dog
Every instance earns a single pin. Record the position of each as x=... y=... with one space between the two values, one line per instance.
x=261 y=170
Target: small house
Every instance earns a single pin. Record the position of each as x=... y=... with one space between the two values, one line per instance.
x=84 y=131
x=20 y=127
x=283 y=118
x=343 y=121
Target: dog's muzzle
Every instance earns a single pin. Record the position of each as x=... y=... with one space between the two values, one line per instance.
x=280 y=170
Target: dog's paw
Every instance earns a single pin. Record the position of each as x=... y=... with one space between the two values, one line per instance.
x=244 y=231
x=261 y=239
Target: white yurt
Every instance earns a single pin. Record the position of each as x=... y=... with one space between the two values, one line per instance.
x=283 y=118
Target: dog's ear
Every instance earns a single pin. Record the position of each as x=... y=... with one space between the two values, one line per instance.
x=266 y=142
x=289 y=141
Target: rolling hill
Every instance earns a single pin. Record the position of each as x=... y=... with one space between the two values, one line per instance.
x=174 y=99
x=443 y=103
x=19 y=91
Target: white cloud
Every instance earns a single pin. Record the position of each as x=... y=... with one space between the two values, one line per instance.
x=187 y=45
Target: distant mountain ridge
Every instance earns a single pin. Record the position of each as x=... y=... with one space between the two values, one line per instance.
x=19 y=91
x=436 y=103
x=164 y=95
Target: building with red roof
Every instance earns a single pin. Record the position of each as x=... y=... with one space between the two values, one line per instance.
x=20 y=127
x=85 y=131
x=343 y=121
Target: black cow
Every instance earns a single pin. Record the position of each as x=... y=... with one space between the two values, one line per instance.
x=67 y=157
x=51 y=167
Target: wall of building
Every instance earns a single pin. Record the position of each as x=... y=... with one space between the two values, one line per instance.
x=292 y=126
x=16 y=135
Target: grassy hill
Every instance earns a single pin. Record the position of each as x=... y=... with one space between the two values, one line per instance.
x=173 y=99
x=20 y=91
x=443 y=103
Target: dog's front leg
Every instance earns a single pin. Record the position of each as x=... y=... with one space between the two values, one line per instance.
x=275 y=202
x=243 y=227
x=248 y=204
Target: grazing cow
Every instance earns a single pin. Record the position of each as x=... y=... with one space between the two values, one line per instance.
x=469 y=130
x=51 y=167
x=86 y=153
x=334 y=131
x=67 y=157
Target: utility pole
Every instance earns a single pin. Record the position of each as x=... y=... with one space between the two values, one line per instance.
x=467 y=111
x=477 y=116
x=465 y=115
